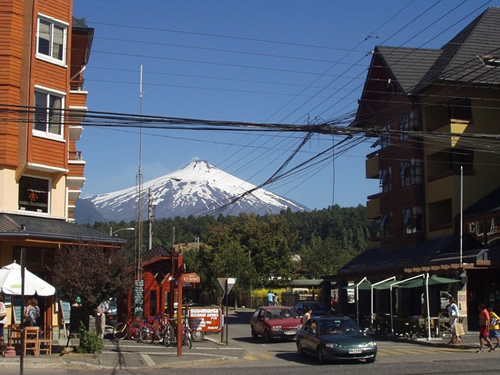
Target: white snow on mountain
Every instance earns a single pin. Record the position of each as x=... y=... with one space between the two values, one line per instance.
x=197 y=189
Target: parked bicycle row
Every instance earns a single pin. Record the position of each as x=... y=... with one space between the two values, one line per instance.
x=160 y=329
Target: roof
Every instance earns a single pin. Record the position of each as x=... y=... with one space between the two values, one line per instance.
x=460 y=59
x=377 y=260
x=486 y=205
x=57 y=230
x=408 y=65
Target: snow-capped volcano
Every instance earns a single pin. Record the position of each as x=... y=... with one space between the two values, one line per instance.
x=197 y=189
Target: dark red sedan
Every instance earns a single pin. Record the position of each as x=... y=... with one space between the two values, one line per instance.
x=275 y=322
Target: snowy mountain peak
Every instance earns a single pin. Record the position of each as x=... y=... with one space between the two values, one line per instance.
x=197 y=189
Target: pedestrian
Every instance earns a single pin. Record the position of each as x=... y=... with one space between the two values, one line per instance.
x=494 y=327
x=100 y=318
x=308 y=311
x=275 y=299
x=484 y=322
x=31 y=313
x=454 y=316
x=270 y=298
x=3 y=320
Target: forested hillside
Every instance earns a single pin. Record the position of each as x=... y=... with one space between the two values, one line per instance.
x=262 y=251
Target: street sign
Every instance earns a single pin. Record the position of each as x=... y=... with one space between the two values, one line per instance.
x=230 y=283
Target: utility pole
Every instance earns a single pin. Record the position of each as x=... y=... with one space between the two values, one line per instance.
x=150 y=219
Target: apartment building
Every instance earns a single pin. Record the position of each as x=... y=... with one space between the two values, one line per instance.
x=435 y=118
x=44 y=51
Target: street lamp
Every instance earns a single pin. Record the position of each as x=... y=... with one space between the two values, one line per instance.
x=112 y=234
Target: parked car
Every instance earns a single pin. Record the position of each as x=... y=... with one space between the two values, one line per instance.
x=317 y=308
x=332 y=338
x=275 y=322
x=111 y=316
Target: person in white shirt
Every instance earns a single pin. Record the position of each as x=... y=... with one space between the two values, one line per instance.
x=100 y=318
x=454 y=316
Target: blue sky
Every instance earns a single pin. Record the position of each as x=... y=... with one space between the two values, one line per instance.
x=281 y=61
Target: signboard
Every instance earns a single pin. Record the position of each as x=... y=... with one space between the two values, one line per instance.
x=138 y=297
x=207 y=319
x=66 y=311
x=191 y=278
x=17 y=314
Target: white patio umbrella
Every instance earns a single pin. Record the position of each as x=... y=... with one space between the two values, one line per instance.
x=10 y=282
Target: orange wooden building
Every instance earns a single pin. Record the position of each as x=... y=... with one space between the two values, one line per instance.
x=44 y=51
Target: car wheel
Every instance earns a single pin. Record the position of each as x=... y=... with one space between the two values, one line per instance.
x=254 y=334
x=267 y=336
x=370 y=360
x=321 y=356
x=300 y=351
x=198 y=335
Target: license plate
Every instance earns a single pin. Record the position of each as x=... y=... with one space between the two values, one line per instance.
x=355 y=351
x=290 y=332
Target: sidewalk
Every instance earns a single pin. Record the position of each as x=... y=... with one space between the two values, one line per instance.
x=126 y=354
x=469 y=341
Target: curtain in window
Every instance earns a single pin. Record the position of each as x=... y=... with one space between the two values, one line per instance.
x=44 y=37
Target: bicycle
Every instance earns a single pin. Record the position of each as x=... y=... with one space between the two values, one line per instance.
x=154 y=329
x=129 y=329
x=170 y=337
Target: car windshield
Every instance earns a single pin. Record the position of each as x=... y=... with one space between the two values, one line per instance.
x=281 y=314
x=337 y=326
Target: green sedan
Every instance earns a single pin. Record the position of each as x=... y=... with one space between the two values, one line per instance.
x=331 y=338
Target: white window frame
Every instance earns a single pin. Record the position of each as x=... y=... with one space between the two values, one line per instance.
x=410 y=172
x=385 y=176
x=385 y=136
x=412 y=220
x=48 y=93
x=50 y=55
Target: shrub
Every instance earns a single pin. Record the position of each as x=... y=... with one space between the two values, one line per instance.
x=89 y=341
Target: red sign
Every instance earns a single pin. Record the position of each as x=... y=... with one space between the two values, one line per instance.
x=207 y=319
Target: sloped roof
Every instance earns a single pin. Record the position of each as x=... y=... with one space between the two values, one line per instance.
x=461 y=58
x=488 y=204
x=40 y=228
x=408 y=65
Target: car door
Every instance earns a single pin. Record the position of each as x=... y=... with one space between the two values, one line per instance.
x=309 y=336
x=259 y=325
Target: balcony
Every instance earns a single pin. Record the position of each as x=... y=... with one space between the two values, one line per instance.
x=372 y=165
x=373 y=208
x=75 y=118
x=73 y=195
x=76 y=166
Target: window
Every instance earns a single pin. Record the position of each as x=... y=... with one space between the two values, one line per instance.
x=412 y=220
x=385 y=138
x=51 y=40
x=33 y=194
x=48 y=113
x=386 y=179
x=410 y=172
x=460 y=109
x=409 y=122
x=386 y=226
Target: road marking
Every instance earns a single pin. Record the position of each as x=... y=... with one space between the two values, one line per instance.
x=148 y=359
x=249 y=357
x=266 y=356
